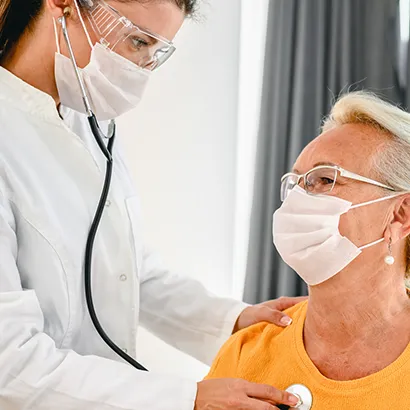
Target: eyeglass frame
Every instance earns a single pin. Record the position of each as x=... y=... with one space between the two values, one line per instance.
x=343 y=173
x=126 y=21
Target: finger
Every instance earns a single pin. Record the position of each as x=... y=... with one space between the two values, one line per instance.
x=284 y=302
x=266 y=314
x=255 y=404
x=270 y=394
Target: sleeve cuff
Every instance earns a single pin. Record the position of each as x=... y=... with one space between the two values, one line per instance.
x=231 y=318
x=189 y=396
x=229 y=323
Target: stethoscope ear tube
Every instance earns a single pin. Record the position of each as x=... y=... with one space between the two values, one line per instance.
x=66 y=36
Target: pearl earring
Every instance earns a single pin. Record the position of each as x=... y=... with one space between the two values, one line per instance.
x=389 y=259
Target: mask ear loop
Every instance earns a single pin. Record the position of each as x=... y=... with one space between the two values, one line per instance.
x=385 y=198
x=87 y=105
x=83 y=24
x=371 y=244
x=375 y=201
x=56 y=35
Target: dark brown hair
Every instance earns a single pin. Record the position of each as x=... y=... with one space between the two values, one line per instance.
x=17 y=16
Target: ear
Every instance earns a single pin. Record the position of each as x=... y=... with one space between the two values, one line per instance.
x=56 y=7
x=399 y=227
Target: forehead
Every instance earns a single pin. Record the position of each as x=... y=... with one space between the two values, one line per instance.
x=351 y=146
x=160 y=17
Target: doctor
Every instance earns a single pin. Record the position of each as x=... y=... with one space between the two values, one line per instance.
x=51 y=174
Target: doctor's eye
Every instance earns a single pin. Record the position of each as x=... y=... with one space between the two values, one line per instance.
x=138 y=43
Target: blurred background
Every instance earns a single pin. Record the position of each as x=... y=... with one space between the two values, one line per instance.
x=228 y=115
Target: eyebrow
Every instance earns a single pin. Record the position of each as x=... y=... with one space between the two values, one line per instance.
x=140 y=29
x=318 y=164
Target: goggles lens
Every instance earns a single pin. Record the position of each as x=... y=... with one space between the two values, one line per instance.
x=145 y=49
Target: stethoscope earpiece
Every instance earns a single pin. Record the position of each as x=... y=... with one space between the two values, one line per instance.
x=67 y=11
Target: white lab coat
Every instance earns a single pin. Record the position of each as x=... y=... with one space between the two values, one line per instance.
x=51 y=174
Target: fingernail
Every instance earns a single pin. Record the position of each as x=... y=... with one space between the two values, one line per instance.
x=293 y=400
x=286 y=321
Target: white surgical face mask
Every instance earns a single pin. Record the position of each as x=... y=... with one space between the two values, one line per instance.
x=114 y=85
x=306 y=235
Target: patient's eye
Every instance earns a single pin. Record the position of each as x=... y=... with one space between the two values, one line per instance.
x=320 y=180
x=326 y=180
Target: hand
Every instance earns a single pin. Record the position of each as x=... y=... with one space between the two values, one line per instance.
x=237 y=394
x=267 y=312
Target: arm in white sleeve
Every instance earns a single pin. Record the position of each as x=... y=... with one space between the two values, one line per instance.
x=182 y=313
x=35 y=375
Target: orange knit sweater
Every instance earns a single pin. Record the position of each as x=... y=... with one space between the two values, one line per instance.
x=271 y=355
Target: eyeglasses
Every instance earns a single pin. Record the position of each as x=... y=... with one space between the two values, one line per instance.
x=321 y=180
x=143 y=48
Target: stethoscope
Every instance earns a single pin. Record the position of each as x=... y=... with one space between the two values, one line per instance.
x=303 y=394
x=300 y=391
x=107 y=151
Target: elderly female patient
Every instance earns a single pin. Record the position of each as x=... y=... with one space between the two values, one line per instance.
x=343 y=226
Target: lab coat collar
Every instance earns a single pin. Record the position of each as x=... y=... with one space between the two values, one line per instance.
x=26 y=97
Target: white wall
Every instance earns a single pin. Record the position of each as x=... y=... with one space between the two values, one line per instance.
x=181 y=145
x=251 y=62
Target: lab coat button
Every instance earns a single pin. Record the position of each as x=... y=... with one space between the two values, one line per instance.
x=125 y=350
x=123 y=278
x=107 y=203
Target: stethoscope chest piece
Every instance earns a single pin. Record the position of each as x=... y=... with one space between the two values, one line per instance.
x=304 y=395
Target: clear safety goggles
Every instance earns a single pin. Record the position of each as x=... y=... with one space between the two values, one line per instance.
x=321 y=180
x=143 y=48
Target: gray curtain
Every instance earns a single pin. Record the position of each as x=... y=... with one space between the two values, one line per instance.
x=316 y=49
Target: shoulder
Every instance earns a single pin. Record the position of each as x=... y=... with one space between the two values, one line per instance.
x=17 y=128
x=250 y=340
x=9 y=113
x=264 y=329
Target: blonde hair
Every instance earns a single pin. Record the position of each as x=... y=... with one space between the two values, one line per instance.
x=392 y=165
